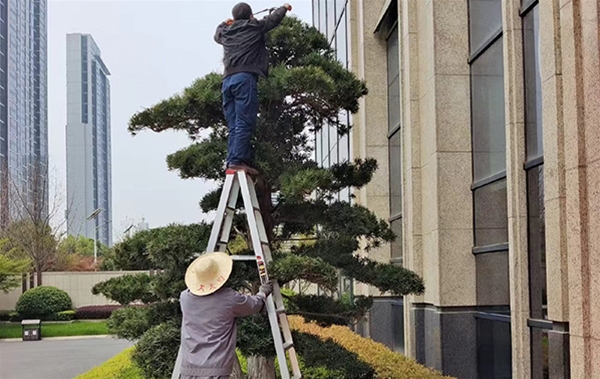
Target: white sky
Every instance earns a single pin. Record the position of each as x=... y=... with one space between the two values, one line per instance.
x=153 y=50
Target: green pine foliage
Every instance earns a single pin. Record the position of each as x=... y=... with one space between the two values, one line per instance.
x=306 y=91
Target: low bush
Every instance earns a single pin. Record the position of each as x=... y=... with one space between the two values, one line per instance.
x=118 y=367
x=96 y=312
x=63 y=316
x=155 y=352
x=43 y=301
x=14 y=317
x=386 y=363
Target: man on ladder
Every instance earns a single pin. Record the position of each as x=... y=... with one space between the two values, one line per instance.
x=209 y=310
x=246 y=59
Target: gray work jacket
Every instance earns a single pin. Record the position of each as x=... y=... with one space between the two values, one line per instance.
x=209 y=331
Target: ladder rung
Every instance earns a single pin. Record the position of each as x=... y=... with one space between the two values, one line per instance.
x=243 y=257
x=288 y=345
x=223 y=242
x=297 y=376
x=257 y=209
x=230 y=208
x=264 y=243
x=280 y=311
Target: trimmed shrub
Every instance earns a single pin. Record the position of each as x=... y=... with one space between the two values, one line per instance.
x=14 y=317
x=118 y=367
x=43 y=301
x=96 y=312
x=64 y=316
x=386 y=363
x=324 y=359
x=156 y=351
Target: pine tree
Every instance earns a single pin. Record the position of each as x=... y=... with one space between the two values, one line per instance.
x=307 y=90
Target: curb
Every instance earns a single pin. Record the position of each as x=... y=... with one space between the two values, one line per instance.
x=103 y=336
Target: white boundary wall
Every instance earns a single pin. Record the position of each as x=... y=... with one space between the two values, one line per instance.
x=77 y=284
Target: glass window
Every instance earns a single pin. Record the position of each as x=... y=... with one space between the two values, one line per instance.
x=340 y=6
x=489 y=137
x=398 y=326
x=537 y=243
x=494 y=349
x=491 y=217
x=492 y=279
x=393 y=67
x=331 y=21
x=396 y=246
x=395 y=154
x=533 y=84
x=540 y=354
x=323 y=16
x=342 y=41
x=485 y=18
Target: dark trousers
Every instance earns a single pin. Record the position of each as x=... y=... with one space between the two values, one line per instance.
x=240 y=104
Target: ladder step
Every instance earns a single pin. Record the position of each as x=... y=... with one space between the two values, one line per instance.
x=288 y=345
x=280 y=311
x=243 y=257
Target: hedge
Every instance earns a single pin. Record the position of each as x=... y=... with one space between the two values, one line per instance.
x=386 y=363
x=118 y=367
x=96 y=312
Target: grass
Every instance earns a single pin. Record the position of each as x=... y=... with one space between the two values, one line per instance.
x=75 y=328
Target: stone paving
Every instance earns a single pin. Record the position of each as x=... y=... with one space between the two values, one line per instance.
x=60 y=358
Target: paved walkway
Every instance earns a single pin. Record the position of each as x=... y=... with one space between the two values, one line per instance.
x=56 y=358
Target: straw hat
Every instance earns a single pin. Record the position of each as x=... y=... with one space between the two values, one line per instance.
x=207 y=273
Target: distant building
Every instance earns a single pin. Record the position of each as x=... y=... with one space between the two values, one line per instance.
x=23 y=101
x=143 y=225
x=89 y=183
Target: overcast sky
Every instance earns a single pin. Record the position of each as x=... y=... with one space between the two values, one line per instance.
x=153 y=50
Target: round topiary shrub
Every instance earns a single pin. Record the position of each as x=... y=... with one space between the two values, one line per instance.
x=43 y=301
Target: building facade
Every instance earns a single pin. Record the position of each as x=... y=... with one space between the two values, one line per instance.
x=23 y=104
x=89 y=183
x=484 y=116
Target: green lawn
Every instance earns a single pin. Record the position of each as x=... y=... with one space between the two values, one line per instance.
x=76 y=328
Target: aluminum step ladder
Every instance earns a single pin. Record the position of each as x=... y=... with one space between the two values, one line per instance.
x=236 y=181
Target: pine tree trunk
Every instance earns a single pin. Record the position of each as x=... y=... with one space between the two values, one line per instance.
x=261 y=368
x=237 y=370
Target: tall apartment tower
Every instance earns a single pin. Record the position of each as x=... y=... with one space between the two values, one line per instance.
x=23 y=104
x=89 y=184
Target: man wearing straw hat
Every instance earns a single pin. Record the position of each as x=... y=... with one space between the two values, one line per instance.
x=208 y=331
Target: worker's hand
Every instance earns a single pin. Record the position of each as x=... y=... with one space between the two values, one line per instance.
x=229 y=21
x=287 y=6
x=267 y=288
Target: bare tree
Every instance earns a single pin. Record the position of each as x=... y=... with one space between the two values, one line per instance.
x=34 y=222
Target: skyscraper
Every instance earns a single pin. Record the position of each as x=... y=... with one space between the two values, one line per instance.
x=89 y=184
x=23 y=102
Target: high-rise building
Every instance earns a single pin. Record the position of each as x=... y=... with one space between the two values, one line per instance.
x=89 y=184
x=23 y=104
x=483 y=115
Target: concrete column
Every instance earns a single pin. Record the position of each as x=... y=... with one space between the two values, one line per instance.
x=581 y=82
x=514 y=90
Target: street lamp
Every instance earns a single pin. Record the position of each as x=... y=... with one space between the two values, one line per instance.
x=92 y=216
